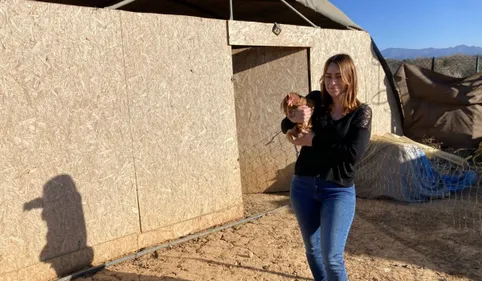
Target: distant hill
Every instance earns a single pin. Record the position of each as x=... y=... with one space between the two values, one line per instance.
x=454 y=66
x=401 y=53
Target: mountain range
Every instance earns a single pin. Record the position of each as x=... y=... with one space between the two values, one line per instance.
x=401 y=53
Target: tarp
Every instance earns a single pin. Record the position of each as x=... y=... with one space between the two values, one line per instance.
x=330 y=11
x=445 y=109
x=413 y=177
x=321 y=12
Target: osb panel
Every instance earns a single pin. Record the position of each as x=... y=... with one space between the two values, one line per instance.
x=120 y=247
x=262 y=77
x=183 y=118
x=184 y=228
x=324 y=43
x=248 y=34
x=67 y=178
x=75 y=261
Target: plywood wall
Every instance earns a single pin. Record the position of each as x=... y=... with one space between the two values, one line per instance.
x=118 y=132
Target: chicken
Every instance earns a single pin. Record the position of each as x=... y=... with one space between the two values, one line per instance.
x=290 y=102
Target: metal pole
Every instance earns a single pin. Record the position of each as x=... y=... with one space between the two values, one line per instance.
x=120 y=4
x=98 y=268
x=230 y=9
x=300 y=14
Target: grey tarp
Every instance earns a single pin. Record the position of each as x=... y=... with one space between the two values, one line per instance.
x=330 y=11
x=444 y=108
x=320 y=12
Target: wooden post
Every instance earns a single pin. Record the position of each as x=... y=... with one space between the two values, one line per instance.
x=477 y=64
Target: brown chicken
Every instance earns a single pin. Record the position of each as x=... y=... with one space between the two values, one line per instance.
x=292 y=101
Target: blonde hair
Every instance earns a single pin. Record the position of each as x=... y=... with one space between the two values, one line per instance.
x=349 y=100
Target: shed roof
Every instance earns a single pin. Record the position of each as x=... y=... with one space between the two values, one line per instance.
x=320 y=12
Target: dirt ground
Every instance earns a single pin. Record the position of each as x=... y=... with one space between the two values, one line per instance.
x=388 y=241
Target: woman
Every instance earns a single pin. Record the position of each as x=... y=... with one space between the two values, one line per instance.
x=322 y=189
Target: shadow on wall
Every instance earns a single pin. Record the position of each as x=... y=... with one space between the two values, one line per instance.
x=390 y=96
x=251 y=57
x=395 y=117
x=62 y=211
x=282 y=181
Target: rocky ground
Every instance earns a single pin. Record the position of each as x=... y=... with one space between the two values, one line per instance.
x=388 y=241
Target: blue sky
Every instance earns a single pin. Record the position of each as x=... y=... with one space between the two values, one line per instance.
x=417 y=24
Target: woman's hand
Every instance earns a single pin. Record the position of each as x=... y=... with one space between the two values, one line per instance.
x=301 y=114
x=304 y=140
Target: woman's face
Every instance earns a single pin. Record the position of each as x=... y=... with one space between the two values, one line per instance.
x=333 y=82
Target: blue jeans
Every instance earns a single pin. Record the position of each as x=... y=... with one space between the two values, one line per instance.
x=325 y=213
